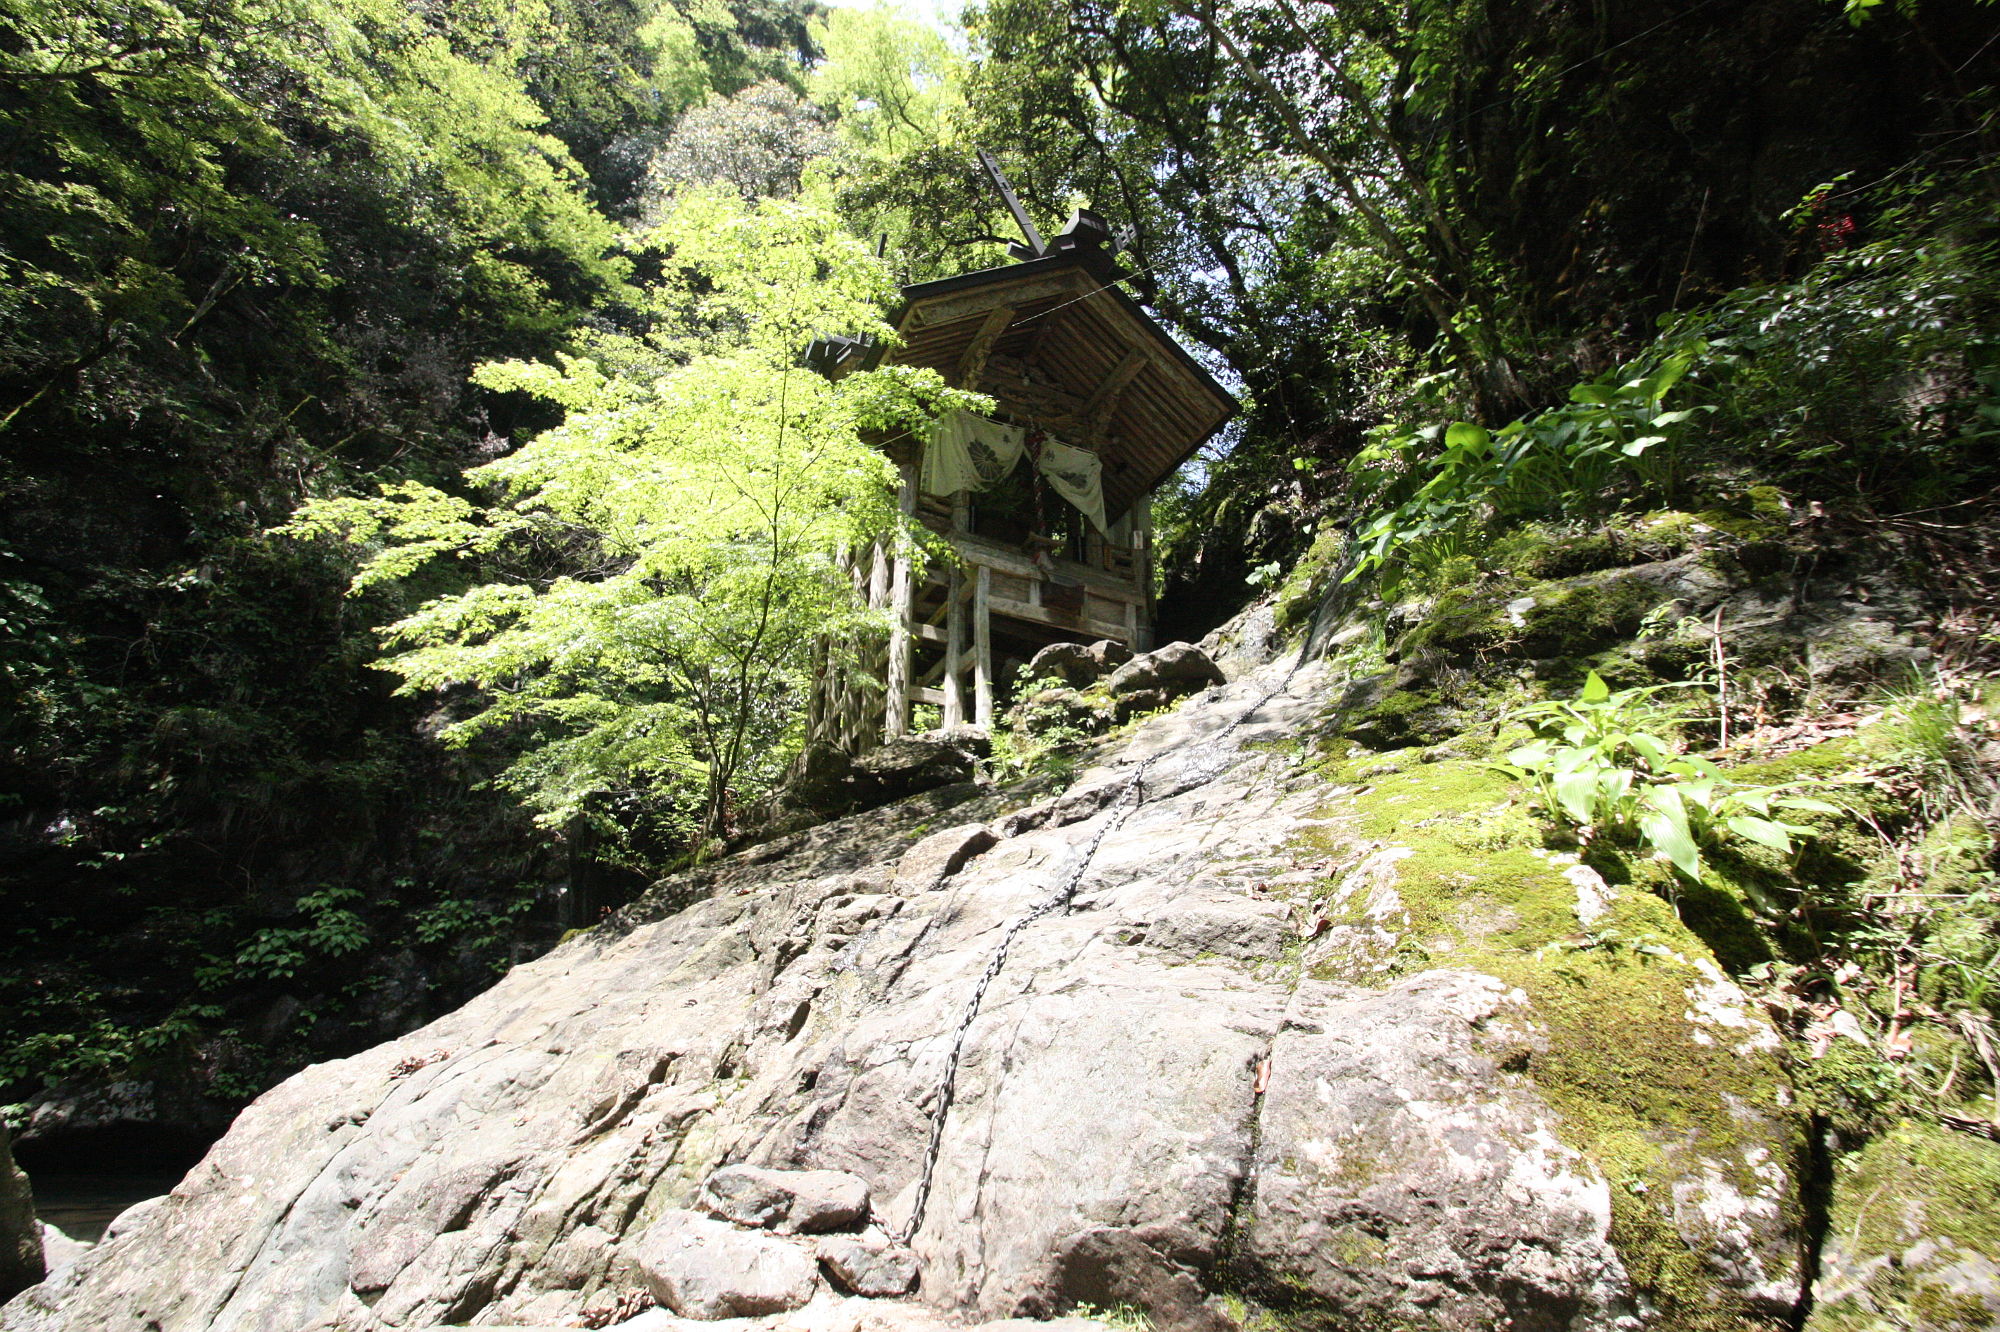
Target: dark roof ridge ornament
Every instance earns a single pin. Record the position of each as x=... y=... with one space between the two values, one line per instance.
x=1036 y=246
x=1086 y=237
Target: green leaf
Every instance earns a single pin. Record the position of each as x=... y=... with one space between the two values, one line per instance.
x=1653 y=749
x=1467 y=436
x=1672 y=838
x=1761 y=831
x=1576 y=792
x=1596 y=395
x=1700 y=794
x=1806 y=803
x=1640 y=445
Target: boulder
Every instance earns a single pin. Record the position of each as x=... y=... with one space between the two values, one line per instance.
x=1911 y=1234
x=1330 y=1042
x=926 y=866
x=1072 y=663
x=917 y=763
x=868 y=1265
x=1127 y=706
x=710 y=1269
x=1178 y=669
x=789 y=1201
x=133 y=1217
x=1108 y=654
x=821 y=778
x=824 y=783
x=1048 y=711
x=20 y=1239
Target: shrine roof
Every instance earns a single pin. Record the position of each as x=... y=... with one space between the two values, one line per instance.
x=1060 y=345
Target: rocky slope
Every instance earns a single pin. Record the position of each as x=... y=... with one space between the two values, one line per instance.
x=1222 y=1029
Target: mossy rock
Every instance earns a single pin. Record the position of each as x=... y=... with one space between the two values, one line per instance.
x=1378 y=713
x=1662 y=1075
x=1536 y=553
x=1913 y=1239
x=1572 y=618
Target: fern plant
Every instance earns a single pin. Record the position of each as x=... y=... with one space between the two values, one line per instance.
x=1603 y=766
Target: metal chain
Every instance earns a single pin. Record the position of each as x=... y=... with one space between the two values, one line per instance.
x=1057 y=900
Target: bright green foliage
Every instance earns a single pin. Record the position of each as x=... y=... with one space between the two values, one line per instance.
x=703 y=492
x=1607 y=771
x=1879 y=370
x=1463 y=480
x=895 y=84
x=162 y=155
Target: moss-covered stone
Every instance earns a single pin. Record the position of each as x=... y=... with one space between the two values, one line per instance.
x=1549 y=619
x=1308 y=583
x=1913 y=1241
x=1661 y=1099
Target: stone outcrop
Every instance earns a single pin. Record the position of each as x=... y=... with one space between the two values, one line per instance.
x=868 y=1266
x=826 y=783
x=803 y=1202
x=20 y=1239
x=1243 y=1023
x=58 y=1249
x=707 y=1269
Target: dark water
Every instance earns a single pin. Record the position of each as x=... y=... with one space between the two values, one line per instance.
x=82 y=1205
x=84 y=1179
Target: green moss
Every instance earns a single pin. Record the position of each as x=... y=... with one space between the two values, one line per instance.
x=1307 y=584
x=1913 y=1184
x=1753 y=527
x=1566 y=619
x=1619 y=1060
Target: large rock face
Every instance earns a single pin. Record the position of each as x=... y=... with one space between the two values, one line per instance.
x=1277 y=1037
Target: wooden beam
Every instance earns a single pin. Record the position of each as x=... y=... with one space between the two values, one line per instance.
x=1021 y=610
x=972 y=361
x=964 y=305
x=982 y=647
x=1103 y=403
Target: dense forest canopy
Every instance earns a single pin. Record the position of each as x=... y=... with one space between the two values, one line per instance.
x=492 y=290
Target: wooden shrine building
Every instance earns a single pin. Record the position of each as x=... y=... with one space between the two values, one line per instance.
x=1073 y=363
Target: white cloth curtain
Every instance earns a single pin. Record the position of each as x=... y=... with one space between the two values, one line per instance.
x=1078 y=476
x=967 y=452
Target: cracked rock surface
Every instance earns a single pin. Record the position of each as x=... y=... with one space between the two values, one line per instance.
x=1157 y=1100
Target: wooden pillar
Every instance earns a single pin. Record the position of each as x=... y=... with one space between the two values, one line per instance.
x=1142 y=537
x=902 y=594
x=982 y=648
x=954 y=648
x=878 y=577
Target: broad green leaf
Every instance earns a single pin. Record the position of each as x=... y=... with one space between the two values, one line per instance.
x=1644 y=442
x=1595 y=394
x=1700 y=794
x=1672 y=838
x=1761 y=831
x=1650 y=747
x=1467 y=436
x=1806 y=803
x=1576 y=792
